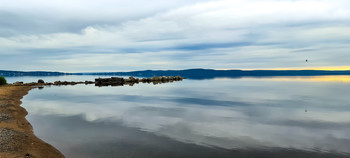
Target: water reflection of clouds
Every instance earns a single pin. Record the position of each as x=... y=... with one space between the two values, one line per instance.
x=337 y=78
x=78 y=138
x=228 y=122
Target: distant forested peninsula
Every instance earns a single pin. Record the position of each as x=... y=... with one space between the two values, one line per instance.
x=189 y=73
x=31 y=73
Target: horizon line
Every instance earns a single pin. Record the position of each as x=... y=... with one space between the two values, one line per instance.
x=330 y=68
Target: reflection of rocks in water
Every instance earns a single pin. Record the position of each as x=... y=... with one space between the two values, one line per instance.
x=117 y=81
x=41 y=85
x=89 y=82
x=131 y=83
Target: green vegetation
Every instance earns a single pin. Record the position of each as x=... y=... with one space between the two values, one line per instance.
x=2 y=80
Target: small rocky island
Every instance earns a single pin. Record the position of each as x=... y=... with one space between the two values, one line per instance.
x=112 y=81
x=116 y=81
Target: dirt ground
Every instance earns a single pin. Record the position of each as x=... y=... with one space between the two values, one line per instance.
x=17 y=139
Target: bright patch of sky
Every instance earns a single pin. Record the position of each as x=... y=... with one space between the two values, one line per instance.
x=120 y=35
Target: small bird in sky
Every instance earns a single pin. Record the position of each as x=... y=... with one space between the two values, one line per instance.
x=306 y=60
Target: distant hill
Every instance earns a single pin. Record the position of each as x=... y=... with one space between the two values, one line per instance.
x=190 y=73
x=31 y=73
x=210 y=73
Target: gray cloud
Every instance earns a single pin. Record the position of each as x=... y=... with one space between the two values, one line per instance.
x=89 y=35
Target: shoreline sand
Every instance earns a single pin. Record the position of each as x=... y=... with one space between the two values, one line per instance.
x=17 y=138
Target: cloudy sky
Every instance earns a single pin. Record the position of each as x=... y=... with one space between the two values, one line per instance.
x=121 y=35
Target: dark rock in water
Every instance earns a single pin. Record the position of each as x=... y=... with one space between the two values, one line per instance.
x=132 y=79
x=41 y=81
x=57 y=83
x=143 y=80
x=163 y=79
x=18 y=83
x=155 y=78
x=115 y=81
x=178 y=78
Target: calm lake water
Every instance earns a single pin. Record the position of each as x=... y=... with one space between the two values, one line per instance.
x=247 y=117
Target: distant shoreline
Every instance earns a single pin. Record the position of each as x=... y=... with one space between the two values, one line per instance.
x=189 y=73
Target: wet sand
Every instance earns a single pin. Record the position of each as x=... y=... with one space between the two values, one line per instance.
x=16 y=134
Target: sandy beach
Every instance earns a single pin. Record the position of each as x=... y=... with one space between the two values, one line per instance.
x=16 y=134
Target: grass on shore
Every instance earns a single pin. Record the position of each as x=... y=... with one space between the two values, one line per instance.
x=3 y=81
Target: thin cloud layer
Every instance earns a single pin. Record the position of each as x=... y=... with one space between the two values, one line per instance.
x=224 y=34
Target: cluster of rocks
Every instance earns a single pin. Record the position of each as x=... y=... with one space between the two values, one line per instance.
x=7 y=141
x=4 y=117
x=118 y=81
x=4 y=103
x=72 y=82
x=113 y=81
x=109 y=81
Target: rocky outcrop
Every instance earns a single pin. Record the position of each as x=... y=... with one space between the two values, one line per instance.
x=41 y=81
x=109 y=81
x=118 y=81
